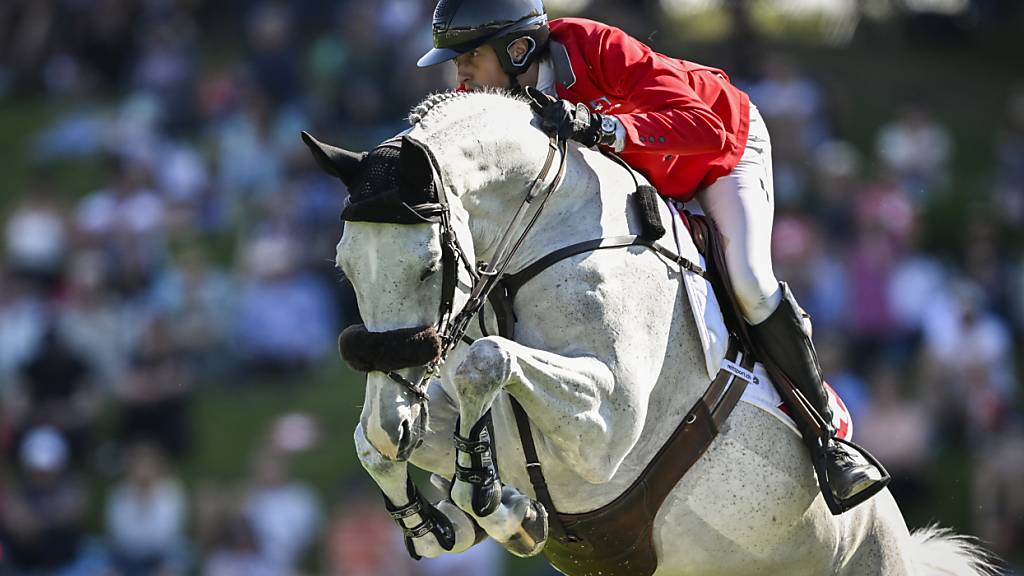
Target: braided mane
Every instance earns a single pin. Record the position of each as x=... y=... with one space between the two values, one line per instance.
x=439 y=100
x=430 y=103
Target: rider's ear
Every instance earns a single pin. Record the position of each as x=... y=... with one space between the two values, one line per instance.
x=416 y=175
x=335 y=161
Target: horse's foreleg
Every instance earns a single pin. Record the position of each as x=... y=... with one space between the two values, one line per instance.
x=587 y=417
x=567 y=390
x=508 y=516
x=430 y=530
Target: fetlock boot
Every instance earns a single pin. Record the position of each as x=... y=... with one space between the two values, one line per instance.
x=848 y=472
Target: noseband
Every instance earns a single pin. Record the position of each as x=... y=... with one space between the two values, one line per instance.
x=388 y=351
x=428 y=346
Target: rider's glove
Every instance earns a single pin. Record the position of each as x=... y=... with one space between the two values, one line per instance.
x=562 y=118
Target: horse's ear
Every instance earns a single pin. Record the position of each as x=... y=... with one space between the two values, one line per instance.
x=416 y=174
x=335 y=161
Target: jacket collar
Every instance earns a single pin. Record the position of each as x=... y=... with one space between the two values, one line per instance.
x=561 y=65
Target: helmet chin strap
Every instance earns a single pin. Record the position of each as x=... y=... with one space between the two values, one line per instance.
x=514 y=86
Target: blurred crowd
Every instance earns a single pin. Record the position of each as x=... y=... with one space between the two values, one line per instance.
x=203 y=253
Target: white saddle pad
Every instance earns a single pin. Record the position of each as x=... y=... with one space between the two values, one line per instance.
x=715 y=340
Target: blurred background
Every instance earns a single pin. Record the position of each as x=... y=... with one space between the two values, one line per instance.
x=171 y=399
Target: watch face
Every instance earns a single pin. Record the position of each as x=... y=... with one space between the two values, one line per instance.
x=608 y=125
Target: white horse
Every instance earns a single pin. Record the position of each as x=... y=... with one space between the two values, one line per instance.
x=607 y=360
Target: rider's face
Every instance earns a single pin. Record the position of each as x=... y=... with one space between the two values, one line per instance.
x=480 y=68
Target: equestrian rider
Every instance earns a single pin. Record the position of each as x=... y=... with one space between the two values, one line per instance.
x=688 y=130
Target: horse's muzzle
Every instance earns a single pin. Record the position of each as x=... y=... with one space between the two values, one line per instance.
x=388 y=351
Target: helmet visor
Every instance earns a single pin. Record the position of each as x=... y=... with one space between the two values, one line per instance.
x=438 y=55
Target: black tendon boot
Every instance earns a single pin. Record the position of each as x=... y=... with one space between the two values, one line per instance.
x=847 y=474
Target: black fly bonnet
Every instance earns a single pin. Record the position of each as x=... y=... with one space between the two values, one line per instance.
x=392 y=184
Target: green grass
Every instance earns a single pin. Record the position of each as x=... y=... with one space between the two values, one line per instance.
x=231 y=419
x=19 y=121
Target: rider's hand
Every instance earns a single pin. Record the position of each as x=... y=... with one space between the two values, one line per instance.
x=562 y=118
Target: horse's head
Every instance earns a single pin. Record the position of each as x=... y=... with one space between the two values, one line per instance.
x=396 y=248
x=391 y=251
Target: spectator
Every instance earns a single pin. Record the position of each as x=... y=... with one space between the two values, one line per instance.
x=154 y=395
x=361 y=540
x=917 y=150
x=23 y=321
x=96 y=321
x=883 y=216
x=898 y=432
x=236 y=553
x=272 y=59
x=200 y=297
x=285 y=316
x=126 y=221
x=997 y=494
x=791 y=105
x=1009 y=174
x=166 y=66
x=253 y=146
x=56 y=389
x=146 y=515
x=44 y=511
x=969 y=359
x=283 y=512
x=36 y=236
x=813 y=269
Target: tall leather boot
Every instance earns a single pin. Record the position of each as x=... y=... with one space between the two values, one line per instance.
x=850 y=473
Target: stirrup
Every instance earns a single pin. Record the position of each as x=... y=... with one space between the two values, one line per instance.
x=836 y=505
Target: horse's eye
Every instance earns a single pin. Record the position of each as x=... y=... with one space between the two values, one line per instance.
x=430 y=270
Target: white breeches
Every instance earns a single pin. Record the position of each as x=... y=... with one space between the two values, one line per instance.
x=742 y=205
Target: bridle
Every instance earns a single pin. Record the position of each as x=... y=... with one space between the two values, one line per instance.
x=451 y=326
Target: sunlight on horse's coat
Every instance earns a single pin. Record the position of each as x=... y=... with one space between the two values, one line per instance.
x=607 y=359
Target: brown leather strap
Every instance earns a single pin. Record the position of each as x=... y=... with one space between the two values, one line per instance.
x=618 y=539
x=536 y=473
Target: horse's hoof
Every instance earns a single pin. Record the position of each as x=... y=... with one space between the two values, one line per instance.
x=529 y=540
x=486 y=499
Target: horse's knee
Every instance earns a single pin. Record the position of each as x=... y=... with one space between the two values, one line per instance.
x=487 y=363
x=375 y=464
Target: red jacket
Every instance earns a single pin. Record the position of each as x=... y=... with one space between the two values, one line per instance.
x=686 y=125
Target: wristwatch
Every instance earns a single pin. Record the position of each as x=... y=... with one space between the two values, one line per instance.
x=609 y=130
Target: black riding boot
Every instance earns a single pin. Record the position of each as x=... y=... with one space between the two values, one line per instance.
x=850 y=473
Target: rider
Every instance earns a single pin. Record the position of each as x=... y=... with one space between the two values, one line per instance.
x=685 y=127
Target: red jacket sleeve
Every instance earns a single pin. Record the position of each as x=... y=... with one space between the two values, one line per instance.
x=675 y=120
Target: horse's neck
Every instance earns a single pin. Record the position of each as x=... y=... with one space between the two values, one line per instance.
x=578 y=210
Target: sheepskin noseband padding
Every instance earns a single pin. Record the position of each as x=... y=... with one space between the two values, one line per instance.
x=367 y=351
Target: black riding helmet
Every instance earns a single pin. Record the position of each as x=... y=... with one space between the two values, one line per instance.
x=464 y=25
